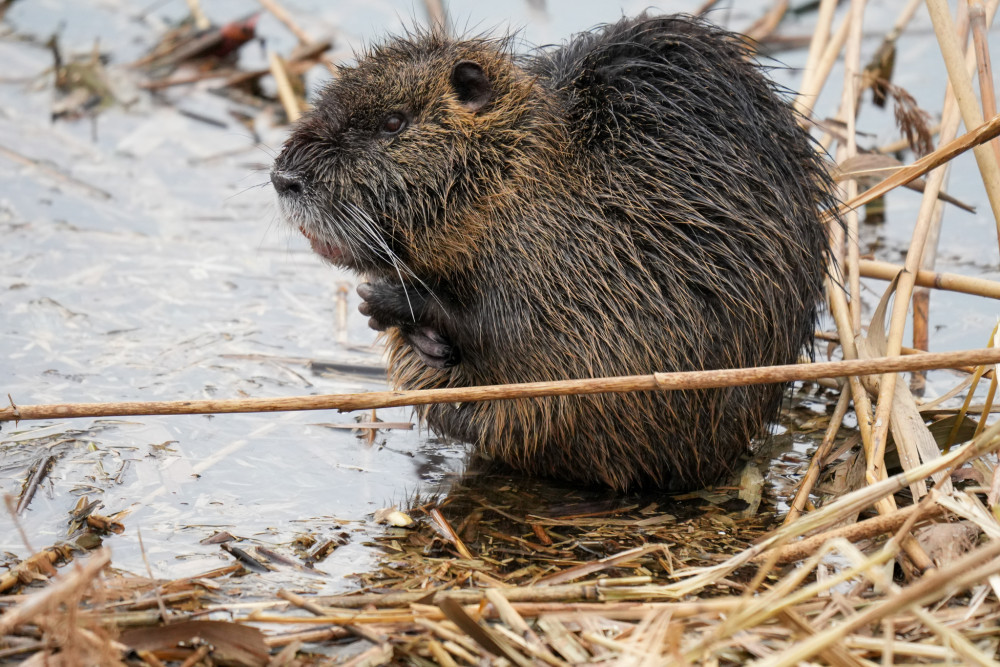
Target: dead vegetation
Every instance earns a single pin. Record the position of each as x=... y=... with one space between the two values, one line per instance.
x=888 y=550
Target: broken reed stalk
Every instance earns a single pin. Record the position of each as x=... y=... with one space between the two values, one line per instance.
x=818 y=459
x=682 y=380
x=951 y=282
x=878 y=525
x=298 y=62
x=983 y=133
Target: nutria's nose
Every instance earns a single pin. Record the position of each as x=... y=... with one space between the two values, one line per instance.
x=286 y=183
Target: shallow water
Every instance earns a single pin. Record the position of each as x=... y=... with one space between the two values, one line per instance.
x=159 y=271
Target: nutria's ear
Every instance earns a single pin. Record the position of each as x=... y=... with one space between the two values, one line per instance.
x=469 y=81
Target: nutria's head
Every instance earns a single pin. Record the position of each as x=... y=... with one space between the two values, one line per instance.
x=393 y=168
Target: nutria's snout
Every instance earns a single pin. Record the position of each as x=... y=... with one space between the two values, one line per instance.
x=296 y=207
x=286 y=183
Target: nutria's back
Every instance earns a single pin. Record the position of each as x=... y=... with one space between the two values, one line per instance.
x=638 y=200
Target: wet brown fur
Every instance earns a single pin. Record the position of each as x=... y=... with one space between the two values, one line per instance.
x=580 y=224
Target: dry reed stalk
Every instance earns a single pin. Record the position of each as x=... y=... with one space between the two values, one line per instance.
x=813 y=84
x=762 y=28
x=333 y=633
x=951 y=282
x=437 y=16
x=286 y=93
x=201 y=21
x=862 y=406
x=980 y=24
x=904 y=143
x=974 y=382
x=591 y=567
x=921 y=293
x=682 y=380
x=961 y=81
x=910 y=649
x=283 y=17
x=848 y=114
x=838 y=656
x=820 y=37
x=988 y=403
x=981 y=134
x=879 y=525
x=440 y=654
x=584 y=594
x=935 y=210
x=450 y=534
x=902 y=21
x=305 y=41
x=818 y=459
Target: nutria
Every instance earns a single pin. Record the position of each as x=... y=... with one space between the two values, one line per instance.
x=640 y=199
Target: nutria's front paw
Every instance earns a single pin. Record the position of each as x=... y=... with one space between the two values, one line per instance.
x=388 y=305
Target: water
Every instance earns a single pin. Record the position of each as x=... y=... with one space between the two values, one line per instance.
x=161 y=272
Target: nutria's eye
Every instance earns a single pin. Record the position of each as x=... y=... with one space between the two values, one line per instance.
x=393 y=124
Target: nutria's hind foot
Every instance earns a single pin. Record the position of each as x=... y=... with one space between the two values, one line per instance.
x=432 y=347
x=406 y=307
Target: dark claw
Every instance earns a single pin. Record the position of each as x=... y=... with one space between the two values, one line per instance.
x=432 y=348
